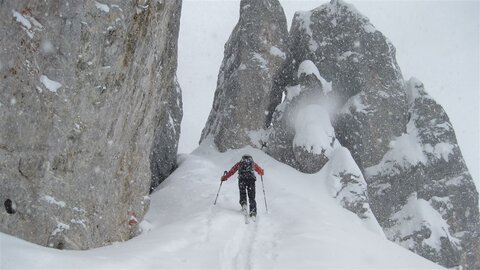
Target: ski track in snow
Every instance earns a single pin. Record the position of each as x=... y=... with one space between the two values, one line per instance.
x=208 y=224
x=238 y=248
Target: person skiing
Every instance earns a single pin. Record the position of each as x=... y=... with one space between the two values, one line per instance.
x=246 y=182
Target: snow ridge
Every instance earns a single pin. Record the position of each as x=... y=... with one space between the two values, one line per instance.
x=306 y=228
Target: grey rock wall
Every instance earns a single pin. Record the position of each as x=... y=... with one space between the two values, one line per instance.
x=366 y=80
x=244 y=99
x=87 y=96
x=422 y=182
x=419 y=188
x=165 y=143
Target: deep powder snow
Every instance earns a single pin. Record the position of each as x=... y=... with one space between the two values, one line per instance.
x=305 y=228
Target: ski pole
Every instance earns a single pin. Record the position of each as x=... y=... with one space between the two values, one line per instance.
x=218 y=192
x=221 y=182
x=264 y=196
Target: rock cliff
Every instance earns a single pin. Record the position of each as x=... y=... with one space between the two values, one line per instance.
x=89 y=116
x=421 y=190
x=254 y=54
x=360 y=63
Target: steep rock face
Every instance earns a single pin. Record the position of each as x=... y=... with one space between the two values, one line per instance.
x=254 y=53
x=87 y=95
x=418 y=185
x=165 y=145
x=421 y=191
x=366 y=80
x=302 y=135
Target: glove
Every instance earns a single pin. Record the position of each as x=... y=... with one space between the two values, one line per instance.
x=224 y=178
x=262 y=172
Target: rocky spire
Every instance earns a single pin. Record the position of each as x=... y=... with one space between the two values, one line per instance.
x=366 y=80
x=244 y=99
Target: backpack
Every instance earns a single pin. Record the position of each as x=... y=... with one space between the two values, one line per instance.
x=246 y=167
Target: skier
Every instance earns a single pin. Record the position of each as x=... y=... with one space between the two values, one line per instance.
x=246 y=182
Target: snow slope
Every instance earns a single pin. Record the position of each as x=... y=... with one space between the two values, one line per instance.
x=305 y=227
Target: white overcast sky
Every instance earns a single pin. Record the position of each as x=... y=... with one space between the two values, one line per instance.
x=436 y=41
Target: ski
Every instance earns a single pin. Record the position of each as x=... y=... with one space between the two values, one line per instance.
x=245 y=214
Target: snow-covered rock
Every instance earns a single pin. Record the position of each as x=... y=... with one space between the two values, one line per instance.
x=346 y=183
x=301 y=134
x=400 y=138
x=254 y=54
x=90 y=109
x=421 y=191
x=366 y=80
